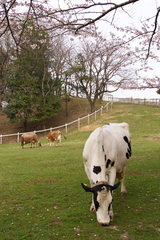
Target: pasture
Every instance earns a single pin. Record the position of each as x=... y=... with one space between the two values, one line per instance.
x=42 y=199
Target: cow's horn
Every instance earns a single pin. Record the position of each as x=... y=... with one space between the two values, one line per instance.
x=116 y=185
x=86 y=188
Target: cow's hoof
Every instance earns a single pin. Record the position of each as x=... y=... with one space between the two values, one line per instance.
x=92 y=209
x=124 y=192
x=104 y=224
x=112 y=216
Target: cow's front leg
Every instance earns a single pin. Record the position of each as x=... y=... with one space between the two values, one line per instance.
x=112 y=176
x=111 y=214
x=111 y=181
x=92 y=208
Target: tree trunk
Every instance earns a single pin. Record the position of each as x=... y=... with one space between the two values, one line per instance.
x=25 y=125
x=93 y=107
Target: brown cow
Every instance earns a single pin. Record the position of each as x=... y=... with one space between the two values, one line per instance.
x=30 y=138
x=55 y=136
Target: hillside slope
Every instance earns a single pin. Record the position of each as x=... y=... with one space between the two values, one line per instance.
x=77 y=107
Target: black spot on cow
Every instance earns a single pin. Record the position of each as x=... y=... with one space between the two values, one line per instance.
x=97 y=169
x=102 y=148
x=108 y=162
x=129 y=151
x=112 y=164
x=127 y=155
x=125 y=139
x=129 y=145
x=105 y=157
x=96 y=203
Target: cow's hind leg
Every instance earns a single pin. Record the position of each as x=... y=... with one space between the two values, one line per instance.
x=121 y=176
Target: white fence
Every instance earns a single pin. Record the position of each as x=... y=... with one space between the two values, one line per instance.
x=78 y=122
x=89 y=117
x=143 y=101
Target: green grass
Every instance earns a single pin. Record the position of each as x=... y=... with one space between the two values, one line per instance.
x=41 y=196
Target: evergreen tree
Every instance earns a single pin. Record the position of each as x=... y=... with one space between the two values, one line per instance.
x=30 y=87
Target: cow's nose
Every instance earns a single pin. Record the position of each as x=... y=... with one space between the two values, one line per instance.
x=104 y=223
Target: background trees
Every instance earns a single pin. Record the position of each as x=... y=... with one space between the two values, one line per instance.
x=74 y=16
x=30 y=86
x=40 y=65
x=101 y=66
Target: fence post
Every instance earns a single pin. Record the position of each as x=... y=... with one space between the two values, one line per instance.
x=1 y=139
x=18 y=137
x=111 y=104
x=50 y=129
x=66 y=127
x=95 y=115
x=107 y=107
x=88 y=118
x=78 y=123
x=101 y=110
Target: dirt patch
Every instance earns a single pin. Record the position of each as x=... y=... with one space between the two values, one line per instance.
x=113 y=228
x=156 y=138
x=21 y=159
x=125 y=235
x=89 y=128
x=139 y=173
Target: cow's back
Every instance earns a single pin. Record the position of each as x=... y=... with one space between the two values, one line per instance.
x=117 y=144
x=108 y=142
x=30 y=137
x=53 y=135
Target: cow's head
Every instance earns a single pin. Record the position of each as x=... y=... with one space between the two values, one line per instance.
x=102 y=198
x=39 y=144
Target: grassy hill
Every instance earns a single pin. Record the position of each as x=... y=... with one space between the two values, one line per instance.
x=41 y=195
x=77 y=107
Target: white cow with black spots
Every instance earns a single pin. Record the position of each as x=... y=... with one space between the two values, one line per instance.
x=106 y=154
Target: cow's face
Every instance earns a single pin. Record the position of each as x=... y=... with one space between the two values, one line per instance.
x=39 y=144
x=102 y=199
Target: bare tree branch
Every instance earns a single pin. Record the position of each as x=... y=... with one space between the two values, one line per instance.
x=115 y=7
x=154 y=31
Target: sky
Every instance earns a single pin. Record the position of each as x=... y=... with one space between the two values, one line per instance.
x=147 y=93
x=134 y=16
x=138 y=12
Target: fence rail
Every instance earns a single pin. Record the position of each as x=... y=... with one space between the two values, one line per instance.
x=78 y=122
x=143 y=101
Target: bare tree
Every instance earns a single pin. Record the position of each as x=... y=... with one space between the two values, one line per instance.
x=101 y=66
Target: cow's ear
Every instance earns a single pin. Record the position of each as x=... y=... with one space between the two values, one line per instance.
x=86 y=188
x=116 y=185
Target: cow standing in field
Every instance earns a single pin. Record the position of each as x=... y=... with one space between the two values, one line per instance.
x=106 y=154
x=55 y=136
x=30 y=138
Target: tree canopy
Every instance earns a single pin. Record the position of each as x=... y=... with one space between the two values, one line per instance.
x=29 y=83
x=72 y=16
x=38 y=66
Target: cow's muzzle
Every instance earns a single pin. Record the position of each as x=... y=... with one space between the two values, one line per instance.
x=104 y=223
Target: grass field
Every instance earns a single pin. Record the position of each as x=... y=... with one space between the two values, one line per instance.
x=41 y=196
